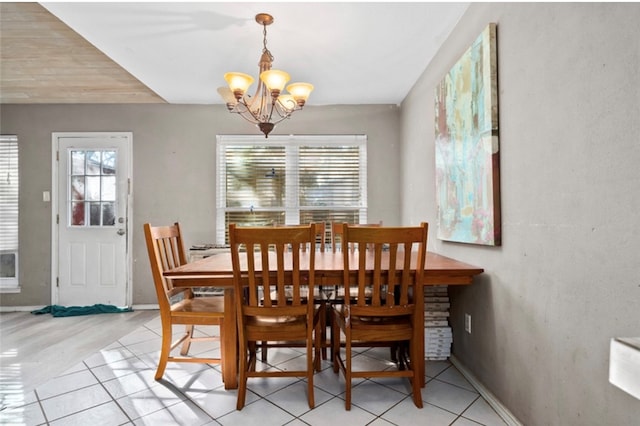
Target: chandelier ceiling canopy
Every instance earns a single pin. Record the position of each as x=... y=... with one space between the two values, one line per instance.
x=269 y=105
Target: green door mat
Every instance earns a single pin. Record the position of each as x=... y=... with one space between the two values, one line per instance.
x=71 y=311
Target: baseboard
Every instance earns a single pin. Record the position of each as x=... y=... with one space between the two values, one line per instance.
x=148 y=307
x=502 y=411
x=145 y=307
x=19 y=308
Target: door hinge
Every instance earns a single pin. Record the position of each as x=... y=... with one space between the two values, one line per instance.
x=57 y=281
x=57 y=155
x=128 y=186
x=57 y=219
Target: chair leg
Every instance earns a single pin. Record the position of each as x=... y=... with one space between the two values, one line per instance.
x=323 y=327
x=165 y=349
x=263 y=351
x=222 y=357
x=311 y=361
x=347 y=375
x=252 y=353
x=399 y=354
x=242 y=380
x=188 y=330
x=335 y=344
x=417 y=394
x=317 y=349
x=416 y=382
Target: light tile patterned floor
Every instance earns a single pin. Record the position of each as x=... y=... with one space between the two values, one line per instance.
x=116 y=387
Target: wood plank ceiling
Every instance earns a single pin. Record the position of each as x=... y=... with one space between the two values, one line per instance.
x=44 y=61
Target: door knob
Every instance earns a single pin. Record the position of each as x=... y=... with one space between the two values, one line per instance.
x=121 y=231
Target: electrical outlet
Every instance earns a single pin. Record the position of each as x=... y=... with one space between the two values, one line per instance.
x=467 y=323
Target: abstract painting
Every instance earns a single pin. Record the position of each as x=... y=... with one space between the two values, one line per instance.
x=467 y=150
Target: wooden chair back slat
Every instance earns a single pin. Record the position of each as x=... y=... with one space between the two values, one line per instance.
x=337 y=235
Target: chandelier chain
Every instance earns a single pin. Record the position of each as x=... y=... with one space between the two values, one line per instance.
x=264 y=42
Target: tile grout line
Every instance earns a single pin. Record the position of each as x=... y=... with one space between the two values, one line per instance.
x=46 y=420
x=497 y=406
x=187 y=399
x=107 y=391
x=461 y=415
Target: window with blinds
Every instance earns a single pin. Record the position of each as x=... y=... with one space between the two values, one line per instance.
x=9 y=186
x=290 y=180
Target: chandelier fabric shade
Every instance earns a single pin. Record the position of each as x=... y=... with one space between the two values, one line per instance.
x=269 y=105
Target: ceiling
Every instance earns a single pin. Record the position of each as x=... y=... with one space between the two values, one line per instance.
x=120 y=52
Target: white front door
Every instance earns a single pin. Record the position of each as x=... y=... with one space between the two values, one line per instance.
x=91 y=262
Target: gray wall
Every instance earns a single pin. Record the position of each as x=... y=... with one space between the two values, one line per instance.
x=567 y=277
x=173 y=171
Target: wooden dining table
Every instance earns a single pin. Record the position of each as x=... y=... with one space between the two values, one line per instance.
x=217 y=271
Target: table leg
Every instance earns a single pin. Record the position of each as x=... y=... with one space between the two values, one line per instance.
x=230 y=343
x=420 y=365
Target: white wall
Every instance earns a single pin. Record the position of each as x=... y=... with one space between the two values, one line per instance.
x=567 y=277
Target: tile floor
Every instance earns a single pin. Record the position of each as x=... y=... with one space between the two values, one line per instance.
x=115 y=386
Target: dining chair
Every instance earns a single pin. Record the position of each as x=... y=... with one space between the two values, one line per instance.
x=318 y=295
x=337 y=294
x=392 y=311
x=178 y=305
x=337 y=235
x=319 y=242
x=271 y=304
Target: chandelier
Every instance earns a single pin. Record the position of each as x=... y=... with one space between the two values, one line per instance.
x=268 y=106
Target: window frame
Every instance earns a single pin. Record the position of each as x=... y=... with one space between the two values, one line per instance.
x=291 y=143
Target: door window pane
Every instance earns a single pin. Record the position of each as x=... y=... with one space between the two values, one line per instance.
x=77 y=214
x=94 y=216
x=93 y=162
x=77 y=163
x=108 y=162
x=93 y=188
x=77 y=187
x=108 y=188
x=92 y=179
x=108 y=214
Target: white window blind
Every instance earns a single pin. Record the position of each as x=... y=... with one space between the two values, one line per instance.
x=288 y=180
x=9 y=187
